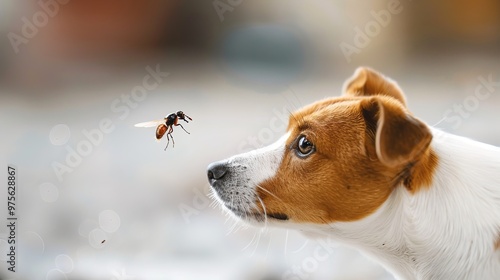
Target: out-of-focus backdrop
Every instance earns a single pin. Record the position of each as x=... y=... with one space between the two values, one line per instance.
x=97 y=198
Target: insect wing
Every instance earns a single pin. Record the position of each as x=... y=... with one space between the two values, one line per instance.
x=160 y=131
x=150 y=124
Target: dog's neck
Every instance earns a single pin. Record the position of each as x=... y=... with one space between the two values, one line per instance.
x=444 y=231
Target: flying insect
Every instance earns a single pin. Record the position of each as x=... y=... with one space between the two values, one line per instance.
x=166 y=126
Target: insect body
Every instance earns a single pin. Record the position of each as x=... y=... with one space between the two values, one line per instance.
x=166 y=126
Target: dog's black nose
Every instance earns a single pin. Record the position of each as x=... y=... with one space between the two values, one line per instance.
x=216 y=171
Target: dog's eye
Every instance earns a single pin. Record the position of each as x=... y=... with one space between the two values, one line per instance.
x=304 y=147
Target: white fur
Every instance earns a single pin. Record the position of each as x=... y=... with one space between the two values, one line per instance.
x=262 y=163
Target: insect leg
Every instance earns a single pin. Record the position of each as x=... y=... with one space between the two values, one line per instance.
x=182 y=128
x=168 y=141
x=171 y=138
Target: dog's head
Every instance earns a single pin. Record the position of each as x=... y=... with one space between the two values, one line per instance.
x=339 y=160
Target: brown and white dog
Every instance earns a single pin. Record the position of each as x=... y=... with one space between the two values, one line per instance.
x=361 y=169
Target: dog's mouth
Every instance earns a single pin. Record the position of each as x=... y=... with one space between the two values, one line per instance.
x=256 y=215
x=278 y=216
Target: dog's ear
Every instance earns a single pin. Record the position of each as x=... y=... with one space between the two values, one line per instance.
x=368 y=82
x=393 y=134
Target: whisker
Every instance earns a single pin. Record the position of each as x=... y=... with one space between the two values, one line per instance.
x=327 y=223
x=213 y=204
x=243 y=227
x=256 y=244
x=286 y=244
x=302 y=247
x=297 y=99
x=440 y=121
x=228 y=217
x=293 y=116
x=232 y=227
x=268 y=246
x=265 y=211
x=240 y=226
x=237 y=225
x=267 y=191
x=251 y=241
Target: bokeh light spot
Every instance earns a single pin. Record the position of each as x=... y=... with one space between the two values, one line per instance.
x=109 y=221
x=59 y=135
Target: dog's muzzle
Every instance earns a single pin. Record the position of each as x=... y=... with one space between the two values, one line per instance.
x=233 y=189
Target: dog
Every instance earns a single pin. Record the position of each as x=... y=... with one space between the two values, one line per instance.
x=363 y=170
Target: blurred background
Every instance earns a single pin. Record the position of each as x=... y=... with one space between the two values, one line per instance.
x=97 y=198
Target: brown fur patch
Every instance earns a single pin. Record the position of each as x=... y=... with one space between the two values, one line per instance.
x=343 y=180
x=497 y=243
x=420 y=175
x=368 y=82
